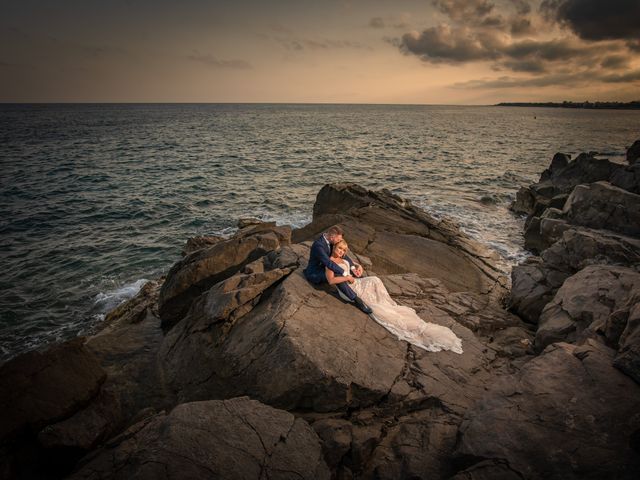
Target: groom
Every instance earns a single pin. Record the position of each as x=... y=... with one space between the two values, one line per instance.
x=319 y=260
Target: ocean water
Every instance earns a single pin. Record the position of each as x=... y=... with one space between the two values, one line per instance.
x=95 y=199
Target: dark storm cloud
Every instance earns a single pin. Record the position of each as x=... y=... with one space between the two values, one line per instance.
x=444 y=44
x=478 y=34
x=213 y=62
x=596 y=19
x=521 y=26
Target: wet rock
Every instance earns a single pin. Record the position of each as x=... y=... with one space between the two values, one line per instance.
x=237 y=438
x=198 y=271
x=633 y=153
x=602 y=206
x=562 y=416
x=628 y=179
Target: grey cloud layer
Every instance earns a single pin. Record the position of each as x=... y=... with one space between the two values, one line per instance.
x=509 y=41
x=597 y=19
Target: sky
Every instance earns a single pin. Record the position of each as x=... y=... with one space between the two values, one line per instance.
x=304 y=51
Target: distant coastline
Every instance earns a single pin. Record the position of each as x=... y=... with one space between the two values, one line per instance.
x=635 y=105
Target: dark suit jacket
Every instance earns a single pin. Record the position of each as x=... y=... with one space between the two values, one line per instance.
x=319 y=260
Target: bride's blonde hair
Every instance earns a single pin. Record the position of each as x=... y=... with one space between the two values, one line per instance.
x=342 y=244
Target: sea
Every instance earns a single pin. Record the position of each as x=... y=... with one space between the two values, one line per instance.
x=96 y=199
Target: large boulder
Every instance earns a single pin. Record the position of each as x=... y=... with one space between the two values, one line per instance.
x=560 y=179
x=600 y=205
x=237 y=438
x=390 y=231
x=633 y=153
x=595 y=301
x=562 y=416
x=39 y=389
x=198 y=271
x=43 y=386
x=535 y=282
x=275 y=337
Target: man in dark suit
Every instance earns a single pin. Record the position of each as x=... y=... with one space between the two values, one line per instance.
x=319 y=260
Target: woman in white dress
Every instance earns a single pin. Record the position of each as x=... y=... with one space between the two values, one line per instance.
x=402 y=321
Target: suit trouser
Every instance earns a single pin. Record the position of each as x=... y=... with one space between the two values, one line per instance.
x=344 y=287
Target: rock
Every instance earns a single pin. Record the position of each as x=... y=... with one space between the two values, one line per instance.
x=198 y=271
x=389 y=231
x=533 y=285
x=600 y=205
x=127 y=348
x=633 y=153
x=280 y=340
x=562 y=416
x=585 y=303
x=579 y=247
x=585 y=168
x=560 y=179
x=250 y=222
x=525 y=201
x=37 y=389
x=237 y=438
x=44 y=386
x=198 y=243
x=628 y=179
x=558 y=162
x=628 y=358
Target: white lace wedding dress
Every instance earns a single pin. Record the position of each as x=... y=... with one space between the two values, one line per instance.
x=403 y=321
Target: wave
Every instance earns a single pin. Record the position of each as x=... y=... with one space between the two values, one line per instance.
x=104 y=302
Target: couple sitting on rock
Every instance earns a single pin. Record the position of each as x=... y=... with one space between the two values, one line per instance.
x=329 y=263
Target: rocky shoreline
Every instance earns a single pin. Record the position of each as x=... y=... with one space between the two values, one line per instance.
x=234 y=366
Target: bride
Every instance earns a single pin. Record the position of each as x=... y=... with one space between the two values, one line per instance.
x=402 y=321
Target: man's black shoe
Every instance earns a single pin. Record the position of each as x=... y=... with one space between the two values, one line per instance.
x=362 y=306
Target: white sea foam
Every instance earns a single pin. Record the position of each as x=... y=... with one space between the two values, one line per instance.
x=106 y=301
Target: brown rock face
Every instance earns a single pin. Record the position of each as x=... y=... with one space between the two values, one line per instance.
x=237 y=438
x=602 y=206
x=561 y=417
x=633 y=153
x=41 y=387
x=200 y=270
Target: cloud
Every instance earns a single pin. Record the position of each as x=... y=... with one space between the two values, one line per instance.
x=213 y=62
x=464 y=11
x=377 y=22
x=449 y=45
x=94 y=51
x=615 y=62
x=522 y=6
x=300 y=44
x=561 y=79
x=596 y=19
